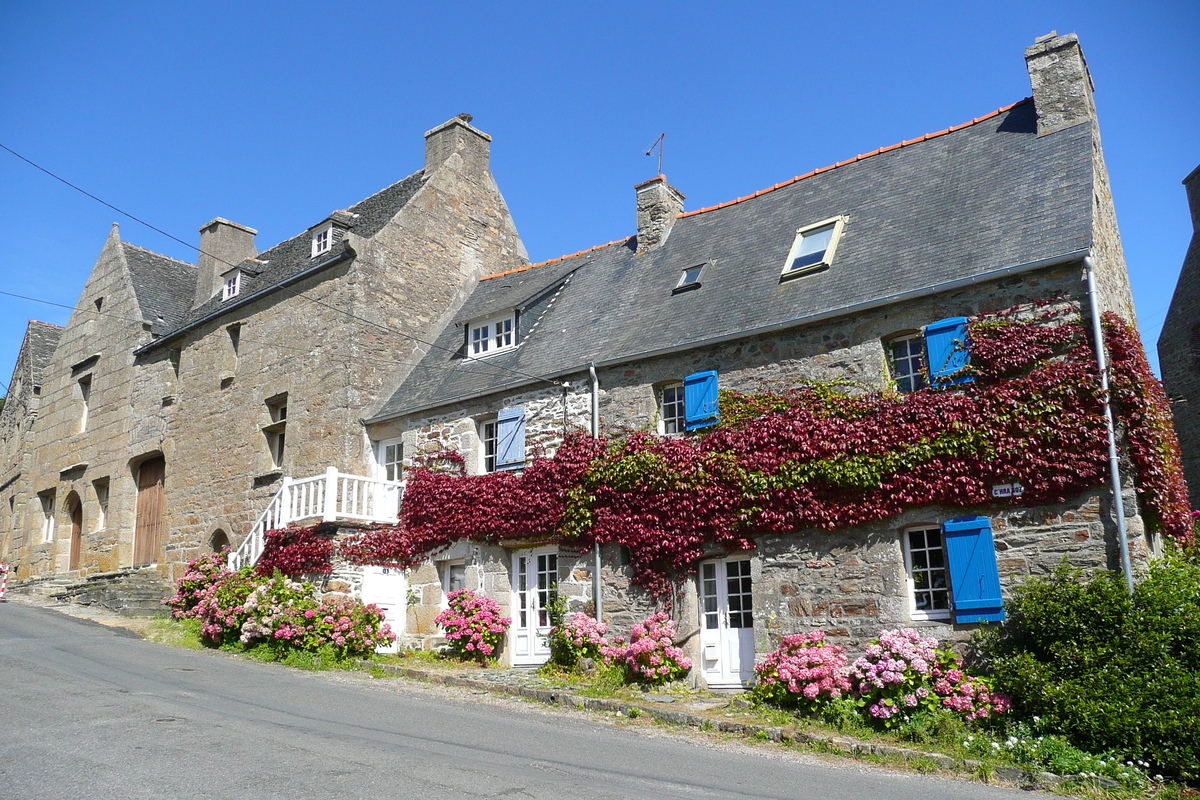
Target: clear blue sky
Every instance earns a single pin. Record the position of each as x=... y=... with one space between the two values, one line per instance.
x=275 y=114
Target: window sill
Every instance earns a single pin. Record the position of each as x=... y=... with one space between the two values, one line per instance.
x=800 y=273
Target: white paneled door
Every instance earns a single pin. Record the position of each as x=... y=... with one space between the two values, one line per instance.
x=387 y=588
x=534 y=580
x=726 y=622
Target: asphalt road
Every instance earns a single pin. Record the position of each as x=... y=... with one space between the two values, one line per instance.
x=93 y=712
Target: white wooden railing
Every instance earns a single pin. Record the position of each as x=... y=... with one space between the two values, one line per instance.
x=329 y=497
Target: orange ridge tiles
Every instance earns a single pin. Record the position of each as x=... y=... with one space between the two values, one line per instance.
x=889 y=148
x=555 y=260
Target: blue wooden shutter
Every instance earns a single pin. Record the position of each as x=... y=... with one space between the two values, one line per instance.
x=974 y=577
x=700 y=399
x=946 y=345
x=510 y=438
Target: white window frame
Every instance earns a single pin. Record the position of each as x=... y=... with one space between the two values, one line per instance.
x=383 y=462
x=47 y=499
x=672 y=424
x=232 y=287
x=915 y=377
x=827 y=257
x=444 y=570
x=685 y=284
x=489 y=431
x=322 y=239
x=906 y=540
x=493 y=335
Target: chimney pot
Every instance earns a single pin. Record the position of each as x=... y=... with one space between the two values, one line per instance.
x=658 y=205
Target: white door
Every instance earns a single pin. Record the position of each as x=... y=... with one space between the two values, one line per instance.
x=535 y=578
x=726 y=623
x=387 y=588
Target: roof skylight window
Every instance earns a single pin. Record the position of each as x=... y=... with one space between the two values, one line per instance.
x=814 y=248
x=690 y=279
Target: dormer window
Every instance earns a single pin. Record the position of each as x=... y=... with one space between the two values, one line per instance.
x=813 y=248
x=491 y=335
x=232 y=287
x=322 y=239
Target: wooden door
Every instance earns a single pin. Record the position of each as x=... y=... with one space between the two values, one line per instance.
x=147 y=536
x=76 y=534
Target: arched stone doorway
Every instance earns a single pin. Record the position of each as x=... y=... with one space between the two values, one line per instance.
x=75 y=510
x=218 y=541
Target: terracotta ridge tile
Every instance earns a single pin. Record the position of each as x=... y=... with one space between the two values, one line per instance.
x=556 y=260
x=889 y=148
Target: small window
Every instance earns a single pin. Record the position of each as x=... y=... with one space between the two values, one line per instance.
x=454 y=576
x=276 y=430
x=491 y=336
x=690 y=279
x=47 y=499
x=906 y=359
x=232 y=287
x=85 y=394
x=928 y=583
x=671 y=410
x=813 y=248
x=235 y=337
x=322 y=240
x=101 y=488
x=99 y=303
x=391 y=459
x=487 y=445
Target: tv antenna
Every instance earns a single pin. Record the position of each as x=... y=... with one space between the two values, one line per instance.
x=659 y=144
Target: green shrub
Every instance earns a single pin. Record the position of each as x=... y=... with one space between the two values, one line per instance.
x=1113 y=673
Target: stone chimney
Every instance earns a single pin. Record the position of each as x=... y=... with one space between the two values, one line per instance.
x=222 y=244
x=457 y=137
x=1192 y=184
x=658 y=204
x=1062 y=85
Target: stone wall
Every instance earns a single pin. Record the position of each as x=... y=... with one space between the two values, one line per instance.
x=456 y=427
x=848 y=349
x=852 y=582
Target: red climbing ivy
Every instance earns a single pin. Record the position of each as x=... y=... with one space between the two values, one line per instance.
x=820 y=457
x=297 y=551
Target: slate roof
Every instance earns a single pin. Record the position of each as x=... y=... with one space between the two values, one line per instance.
x=164 y=286
x=294 y=256
x=41 y=340
x=979 y=197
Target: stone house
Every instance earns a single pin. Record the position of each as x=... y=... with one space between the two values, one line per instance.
x=1179 y=347
x=179 y=398
x=855 y=273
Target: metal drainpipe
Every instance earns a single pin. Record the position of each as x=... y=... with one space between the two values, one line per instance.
x=597 y=584
x=1114 y=462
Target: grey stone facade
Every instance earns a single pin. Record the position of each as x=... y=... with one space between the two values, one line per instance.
x=163 y=366
x=1179 y=347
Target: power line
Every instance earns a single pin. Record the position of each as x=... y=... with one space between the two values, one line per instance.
x=267 y=288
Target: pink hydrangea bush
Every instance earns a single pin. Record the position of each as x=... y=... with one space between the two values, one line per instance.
x=245 y=610
x=578 y=636
x=473 y=625
x=804 y=673
x=651 y=656
x=902 y=672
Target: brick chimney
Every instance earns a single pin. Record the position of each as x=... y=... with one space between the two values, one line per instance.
x=458 y=137
x=1192 y=184
x=658 y=204
x=1062 y=85
x=222 y=244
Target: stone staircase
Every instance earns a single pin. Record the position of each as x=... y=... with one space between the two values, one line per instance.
x=130 y=592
